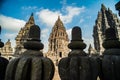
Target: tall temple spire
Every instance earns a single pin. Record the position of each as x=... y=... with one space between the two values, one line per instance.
x=59 y=17
x=31 y=19
x=103 y=7
x=59 y=24
x=58 y=39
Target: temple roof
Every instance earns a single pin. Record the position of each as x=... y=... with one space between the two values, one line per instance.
x=31 y=19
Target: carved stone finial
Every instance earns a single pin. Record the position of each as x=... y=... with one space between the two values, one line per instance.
x=34 y=42
x=31 y=64
x=111 y=40
x=76 y=42
x=76 y=34
x=77 y=65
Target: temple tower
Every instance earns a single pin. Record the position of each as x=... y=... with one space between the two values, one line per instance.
x=105 y=19
x=22 y=36
x=57 y=47
x=58 y=40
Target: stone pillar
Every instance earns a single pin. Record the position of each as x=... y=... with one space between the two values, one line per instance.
x=111 y=56
x=31 y=65
x=3 y=62
x=78 y=65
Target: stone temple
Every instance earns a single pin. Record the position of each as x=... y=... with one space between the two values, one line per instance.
x=105 y=19
x=58 y=40
x=23 y=35
x=57 y=47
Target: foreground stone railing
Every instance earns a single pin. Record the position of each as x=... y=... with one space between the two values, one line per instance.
x=31 y=65
x=78 y=65
x=111 y=56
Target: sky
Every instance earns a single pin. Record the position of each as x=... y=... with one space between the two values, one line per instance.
x=83 y=13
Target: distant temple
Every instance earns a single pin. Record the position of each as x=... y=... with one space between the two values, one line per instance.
x=23 y=35
x=7 y=50
x=91 y=50
x=105 y=19
x=58 y=40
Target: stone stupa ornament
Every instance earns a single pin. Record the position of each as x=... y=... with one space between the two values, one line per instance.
x=111 y=56
x=31 y=65
x=78 y=65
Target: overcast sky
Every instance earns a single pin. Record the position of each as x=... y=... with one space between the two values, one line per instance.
x=15 y=13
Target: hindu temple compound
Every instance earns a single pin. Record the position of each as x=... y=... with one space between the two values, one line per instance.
x=58 y=38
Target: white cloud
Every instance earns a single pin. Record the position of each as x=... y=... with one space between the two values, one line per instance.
x=72 y=12
x=45 y=42
x=69 y=33
x=49 y=17
x=44 y=38
x=8 y=35
x=44 y=33
x=11 y=24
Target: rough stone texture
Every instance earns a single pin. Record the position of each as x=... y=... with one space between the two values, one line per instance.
x=31 y=65
x=105 y=19
x=78 y=65
x=111 y=56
